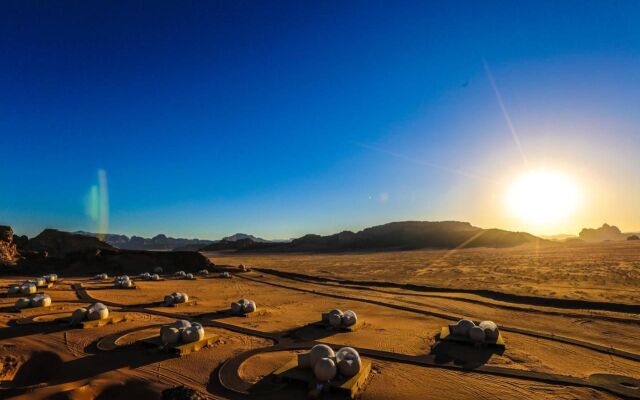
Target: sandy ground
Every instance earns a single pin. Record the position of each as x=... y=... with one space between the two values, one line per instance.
x=604 y=272
x=398 y=331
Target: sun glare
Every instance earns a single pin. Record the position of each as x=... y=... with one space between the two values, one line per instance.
x=542 y=197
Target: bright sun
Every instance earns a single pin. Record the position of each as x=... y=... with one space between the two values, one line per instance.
x=543 y=197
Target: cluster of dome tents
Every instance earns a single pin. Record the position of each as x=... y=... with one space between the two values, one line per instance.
x=146 y=276
x=24 y=288
x=327 y=364
x=243 y=307
x=123 y=282
x=96 y=311
x=184 y=275
x=485 y=331
x=31 y=286
x=175 y=298
x=35 y=300
x=181 y=331
x=338 y=319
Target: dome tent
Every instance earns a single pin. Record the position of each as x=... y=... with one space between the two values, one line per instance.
x=28 y=288
x=40 y=300
x=328 y=365
x=22 y=303
x=490 y=329
x=94 y=312
x=97 y=311
x=348 y=361
x=176 y=298
x=243 y=307
x=181 y=331
x=340 y=320
x=478 y=333
x=123 y=282
x=325 y=369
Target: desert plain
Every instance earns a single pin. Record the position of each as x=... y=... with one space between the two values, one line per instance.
x=569 y=316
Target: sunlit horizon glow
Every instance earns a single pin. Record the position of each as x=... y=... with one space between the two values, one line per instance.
x=543 y=198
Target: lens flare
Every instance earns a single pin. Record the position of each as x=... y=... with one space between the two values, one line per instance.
x=97 y=204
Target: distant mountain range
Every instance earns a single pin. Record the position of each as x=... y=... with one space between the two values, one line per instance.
x=242 y=236
x=395 y=235
x=158 y=242
x=392 y=236
x=163 y=242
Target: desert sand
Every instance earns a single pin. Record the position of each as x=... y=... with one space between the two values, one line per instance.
x=552 y=351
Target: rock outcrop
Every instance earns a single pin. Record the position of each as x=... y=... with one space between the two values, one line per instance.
x=604 y=233
x=8 y=250
x=58 y=243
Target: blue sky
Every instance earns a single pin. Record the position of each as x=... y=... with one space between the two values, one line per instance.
x=283 y=118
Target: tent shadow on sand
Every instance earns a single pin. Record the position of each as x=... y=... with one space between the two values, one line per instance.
x=465 y=355
x=215 y=315
x=312 y=332
x=15 y=331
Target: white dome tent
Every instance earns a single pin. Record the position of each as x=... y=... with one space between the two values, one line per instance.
x=243 y=307
x=184 y=337
x=482 y=333
x=175 y=298
x=94 y=316
x=337 y=319
x=331 y=369
x=124 y=282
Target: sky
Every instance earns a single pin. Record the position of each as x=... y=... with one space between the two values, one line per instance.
x=205 y=118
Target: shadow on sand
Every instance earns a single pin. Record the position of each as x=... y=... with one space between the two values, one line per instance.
x=465 y=355
x=15 y=331
x=311 y=332
x=45 y=367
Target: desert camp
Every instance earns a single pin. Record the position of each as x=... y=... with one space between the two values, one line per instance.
x=368 y=200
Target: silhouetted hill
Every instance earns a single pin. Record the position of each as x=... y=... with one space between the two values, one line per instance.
x=605 y=232
x=69 y=253
x=242 y=236
x=58 y=243
x=158 y=242
x=392 y=236
x=241 y=244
